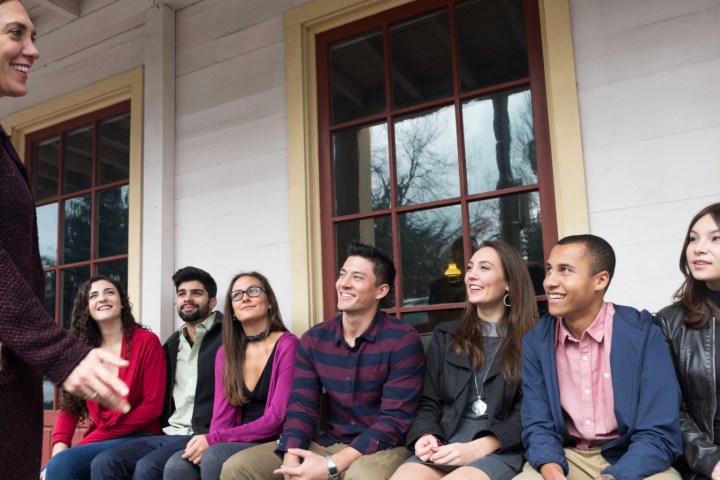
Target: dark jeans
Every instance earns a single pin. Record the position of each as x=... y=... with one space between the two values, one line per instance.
x=74 y=463
x=142 y=459
x=210 y=466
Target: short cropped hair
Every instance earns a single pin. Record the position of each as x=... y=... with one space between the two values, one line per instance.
x=383 y=267
x=602 y=255
x=190 y=274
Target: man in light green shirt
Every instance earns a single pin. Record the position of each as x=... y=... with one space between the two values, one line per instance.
x=190 y=384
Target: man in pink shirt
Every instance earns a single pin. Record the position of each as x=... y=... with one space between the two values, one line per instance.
x=600 y=398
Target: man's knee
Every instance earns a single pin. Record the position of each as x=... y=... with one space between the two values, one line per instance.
x=149 y=468
x=252 y=463
x=380 y=465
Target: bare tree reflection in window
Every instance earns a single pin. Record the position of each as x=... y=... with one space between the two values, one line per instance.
x=426 y=153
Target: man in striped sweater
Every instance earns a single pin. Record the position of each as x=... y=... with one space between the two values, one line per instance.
x=371 y=367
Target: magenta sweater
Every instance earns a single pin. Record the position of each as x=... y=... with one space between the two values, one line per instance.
x=227 y=418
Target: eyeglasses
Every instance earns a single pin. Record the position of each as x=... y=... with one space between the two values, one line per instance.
x=252 y=292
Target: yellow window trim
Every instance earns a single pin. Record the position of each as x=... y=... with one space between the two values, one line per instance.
x=126 y=86
x=302 y=24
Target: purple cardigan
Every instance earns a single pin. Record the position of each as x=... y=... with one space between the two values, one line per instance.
x=227 y=418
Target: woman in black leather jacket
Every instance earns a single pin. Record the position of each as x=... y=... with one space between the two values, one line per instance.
x=468 y=420
x=690 y=326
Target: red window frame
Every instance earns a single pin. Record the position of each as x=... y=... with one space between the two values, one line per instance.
x=536 y=83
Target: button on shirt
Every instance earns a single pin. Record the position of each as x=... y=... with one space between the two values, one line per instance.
x=373 y=388
x=585 y=380
x=186 y=375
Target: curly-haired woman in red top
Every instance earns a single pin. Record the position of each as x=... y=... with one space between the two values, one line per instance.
x=102 y=317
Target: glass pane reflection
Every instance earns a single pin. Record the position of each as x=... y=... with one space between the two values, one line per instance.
x=361 y=169
x=48 y=394
x=420 y=56
x=47 y=218
x=491 y=41
x=70 y=280
x=515 y=219
x=423 y=235
x=372 y=231
x=114 y=149
x=426 y=153
x=116 y=270
x=76 y=229
x=112 y=208
x=46 y=158
x=78 y=159
x=357 y=77
x=50 y=293
x=499 y=142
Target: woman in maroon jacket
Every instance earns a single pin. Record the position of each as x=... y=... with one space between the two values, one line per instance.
x=102 y=317
x=31 y=343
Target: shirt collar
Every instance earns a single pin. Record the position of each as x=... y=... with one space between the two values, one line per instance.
x=596 y=330
x=369 y=335
x=206 y=324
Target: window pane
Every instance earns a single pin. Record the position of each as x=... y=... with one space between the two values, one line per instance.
x=46 y=158
x=116 y=270
x=425 y=322
x=515 y=219
x=426 y=153
x=499 y=142
x=47 y=218
x=357 y=77
x=450 y=287
x=422 y=235
x=491 y=42
x=76 y=229
x=78 y=159
x=373 y=231
x=112 y=208
x=50 y=293
x=48 y=394
x=71 y=279
x=114 y=149
x=361 y=169
x=421 y=68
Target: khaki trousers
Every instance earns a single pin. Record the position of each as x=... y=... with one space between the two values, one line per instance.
x=258 y=463
x=587 y=465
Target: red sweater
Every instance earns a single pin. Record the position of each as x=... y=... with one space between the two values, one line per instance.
x=145 y=376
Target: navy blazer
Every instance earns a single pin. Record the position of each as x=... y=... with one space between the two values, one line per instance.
x=646 y=396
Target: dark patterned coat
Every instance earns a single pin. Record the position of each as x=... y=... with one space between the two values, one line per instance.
x=33 y=345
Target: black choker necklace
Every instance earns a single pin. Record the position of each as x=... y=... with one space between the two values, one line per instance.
x=255 y=338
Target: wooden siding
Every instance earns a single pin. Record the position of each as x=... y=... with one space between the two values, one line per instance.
x=648 y=96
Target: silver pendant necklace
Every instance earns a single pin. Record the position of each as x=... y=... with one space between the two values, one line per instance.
x=479 y=407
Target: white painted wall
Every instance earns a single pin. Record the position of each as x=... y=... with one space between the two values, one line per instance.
x=231 y=169
x=647 y=74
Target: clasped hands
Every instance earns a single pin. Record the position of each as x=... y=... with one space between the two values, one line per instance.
x=313 y=466
x=429 y=449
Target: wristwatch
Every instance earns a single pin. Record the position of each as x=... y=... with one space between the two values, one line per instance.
x=332 y=468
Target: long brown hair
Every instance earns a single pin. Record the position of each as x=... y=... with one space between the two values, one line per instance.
x=693 y=295
x=235 y=340
x=85 y=329
x=519 y=317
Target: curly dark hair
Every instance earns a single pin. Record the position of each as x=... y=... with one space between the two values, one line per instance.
x=85 y=329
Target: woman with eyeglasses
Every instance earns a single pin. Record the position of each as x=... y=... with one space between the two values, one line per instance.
x=102 y=317
x=253 y=377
